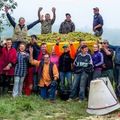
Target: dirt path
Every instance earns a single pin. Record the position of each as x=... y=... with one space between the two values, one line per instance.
x=113 y=116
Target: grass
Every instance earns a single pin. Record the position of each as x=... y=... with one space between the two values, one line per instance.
x=34 y=108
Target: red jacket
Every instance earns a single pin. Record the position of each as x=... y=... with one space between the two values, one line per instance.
x=6 y=58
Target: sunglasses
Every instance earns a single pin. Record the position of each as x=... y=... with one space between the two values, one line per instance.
x=105 y=43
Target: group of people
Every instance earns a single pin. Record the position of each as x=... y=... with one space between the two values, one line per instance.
x=32 y=69
x=46 y=23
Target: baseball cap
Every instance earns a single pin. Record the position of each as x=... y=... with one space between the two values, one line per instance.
x=65 y=46
x=84 y=46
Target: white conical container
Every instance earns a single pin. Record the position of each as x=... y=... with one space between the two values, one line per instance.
x=102 y=98
x=109 y=85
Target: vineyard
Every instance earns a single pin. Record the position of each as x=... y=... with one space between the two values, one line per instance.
x=75 y=37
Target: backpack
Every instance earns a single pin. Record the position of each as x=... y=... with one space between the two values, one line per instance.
x=117 y=56
x=64 y=94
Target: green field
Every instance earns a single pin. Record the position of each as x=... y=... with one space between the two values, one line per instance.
x=34 y=108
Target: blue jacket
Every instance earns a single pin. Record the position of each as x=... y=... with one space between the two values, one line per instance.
x=117 y=54
x=98 y=60
x=97 y=20
x=83 y=63
x=21 y=65
x=114 y=48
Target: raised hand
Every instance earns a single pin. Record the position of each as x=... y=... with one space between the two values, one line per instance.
x=6 y=9
x=31 y=50
x=40 y=9
x=53 y=9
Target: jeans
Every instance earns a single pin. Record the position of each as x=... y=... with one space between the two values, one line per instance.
x=35 y=82
x=97 y=74
x=109 y=74
x=80 y=80
x=18 y=86
x=48 y=92
x=5 y=83
x=68 y=76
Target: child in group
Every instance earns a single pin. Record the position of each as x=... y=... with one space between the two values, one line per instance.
x=98 y=59
x=83 y=66
x=20 y=70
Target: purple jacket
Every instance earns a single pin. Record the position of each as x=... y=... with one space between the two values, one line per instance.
x=97 y=58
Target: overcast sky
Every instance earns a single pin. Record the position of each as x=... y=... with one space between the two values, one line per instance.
x=80 y=10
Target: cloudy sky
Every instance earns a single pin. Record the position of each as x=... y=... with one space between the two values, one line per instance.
x=81 y=11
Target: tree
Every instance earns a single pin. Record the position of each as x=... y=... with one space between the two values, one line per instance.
x=11 y=4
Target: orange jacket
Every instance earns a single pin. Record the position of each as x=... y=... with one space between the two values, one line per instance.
x=46 y=80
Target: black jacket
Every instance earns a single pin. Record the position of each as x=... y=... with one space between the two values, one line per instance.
x=65 y=62
x=108 y=59
x=36 y=49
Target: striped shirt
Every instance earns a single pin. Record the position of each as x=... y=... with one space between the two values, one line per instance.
x=21 y=65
